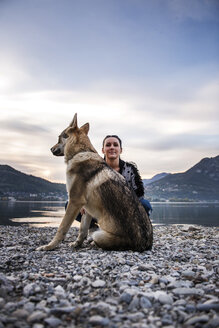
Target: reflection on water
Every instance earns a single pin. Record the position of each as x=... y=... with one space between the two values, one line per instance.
x=206 y=214
x=38 y=214
x=51 y=213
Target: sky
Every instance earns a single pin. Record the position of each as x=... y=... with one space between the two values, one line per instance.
x=145 y=70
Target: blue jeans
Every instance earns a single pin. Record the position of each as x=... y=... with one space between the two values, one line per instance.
x=147 y=206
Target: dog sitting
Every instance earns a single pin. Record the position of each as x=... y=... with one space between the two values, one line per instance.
x=103 y=193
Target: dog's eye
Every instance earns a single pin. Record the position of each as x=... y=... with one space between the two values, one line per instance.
x=65 y=136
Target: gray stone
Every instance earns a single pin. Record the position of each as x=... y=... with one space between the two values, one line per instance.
x=149 y=295
x=188 y=291
x=20 y=313
x=167 y=320
x=180 y=284
x=62 y=310
x=38 y=325
x=136 y=316
x=29 y=306
x=10 y=306
x=98 y=320
x=52 y=299
x=163 y=280
x=165 y=299
x=6 y=286
x=41 y=305
x=196 y=319
x=98 y=283
x=126 y=297
x=134 y=304
x=53 y=322
x=145 y=303
x=36 y=316
x=64 y=303
x=60 y=292
x=190 y=308
x=214 y=323
x=146 y=267
x=208 y=307
x=77 y=277
x=103 y=308
x=188 y=274
x=180 y=302
x=29 y=289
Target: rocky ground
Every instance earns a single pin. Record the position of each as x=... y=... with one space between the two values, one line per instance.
x=174 y=285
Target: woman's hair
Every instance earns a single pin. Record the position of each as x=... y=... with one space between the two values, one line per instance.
x=113 y=136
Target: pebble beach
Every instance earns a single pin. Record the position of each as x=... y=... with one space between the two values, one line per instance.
x=174 y=285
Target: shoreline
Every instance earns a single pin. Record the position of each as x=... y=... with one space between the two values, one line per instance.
x=151 y=201
x=174 y=285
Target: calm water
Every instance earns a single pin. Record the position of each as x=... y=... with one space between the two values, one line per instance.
x=51 y=213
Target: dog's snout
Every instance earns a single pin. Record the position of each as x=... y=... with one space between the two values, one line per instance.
x=53 y=149
x=56 y=151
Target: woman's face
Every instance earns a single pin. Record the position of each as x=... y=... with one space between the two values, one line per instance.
x=111 y=148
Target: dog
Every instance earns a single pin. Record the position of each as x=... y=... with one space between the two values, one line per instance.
x=103 y=193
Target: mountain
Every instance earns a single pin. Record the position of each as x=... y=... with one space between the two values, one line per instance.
x=13 y=181
x=155 y=178
x=200 y=182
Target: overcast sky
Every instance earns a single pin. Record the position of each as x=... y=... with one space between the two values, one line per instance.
x=145 y=70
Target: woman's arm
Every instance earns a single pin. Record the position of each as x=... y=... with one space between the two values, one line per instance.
x=138 y=181
x=133 y=178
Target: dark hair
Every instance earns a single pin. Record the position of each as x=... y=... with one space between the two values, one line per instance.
x=113 y=136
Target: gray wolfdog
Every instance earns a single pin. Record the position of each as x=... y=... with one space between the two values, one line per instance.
x=103 y=193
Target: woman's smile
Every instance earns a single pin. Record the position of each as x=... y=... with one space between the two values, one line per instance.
x=112 y=148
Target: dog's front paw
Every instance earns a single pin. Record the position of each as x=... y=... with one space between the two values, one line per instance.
x=43 y=248
x=76 y=243
x=90 y=239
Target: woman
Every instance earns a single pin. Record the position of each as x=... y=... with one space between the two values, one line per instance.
x=112 y=148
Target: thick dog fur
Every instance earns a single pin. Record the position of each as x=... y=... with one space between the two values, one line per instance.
x=104 y=195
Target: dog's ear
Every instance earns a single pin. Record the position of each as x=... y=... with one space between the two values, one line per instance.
x=85 y=128
x=69 y=131
x=74 y=123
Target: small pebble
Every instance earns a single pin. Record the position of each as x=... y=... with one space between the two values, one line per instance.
x=196 y=319
x=53 y=322
x=98 y=283
x=36 y=317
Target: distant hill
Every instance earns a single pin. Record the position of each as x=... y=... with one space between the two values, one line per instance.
x=13 y=181
x=200 y=182
x=155 y=178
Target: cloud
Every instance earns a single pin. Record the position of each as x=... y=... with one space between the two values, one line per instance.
x=184 y=142
x=22 y=127
x=148 y=123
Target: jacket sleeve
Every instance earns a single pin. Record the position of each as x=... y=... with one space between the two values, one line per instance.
x=133 y=178
x=137 y=184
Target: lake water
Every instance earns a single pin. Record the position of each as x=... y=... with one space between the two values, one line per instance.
x=50 y=213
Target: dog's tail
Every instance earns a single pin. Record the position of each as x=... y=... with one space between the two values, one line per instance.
x=109 y=241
